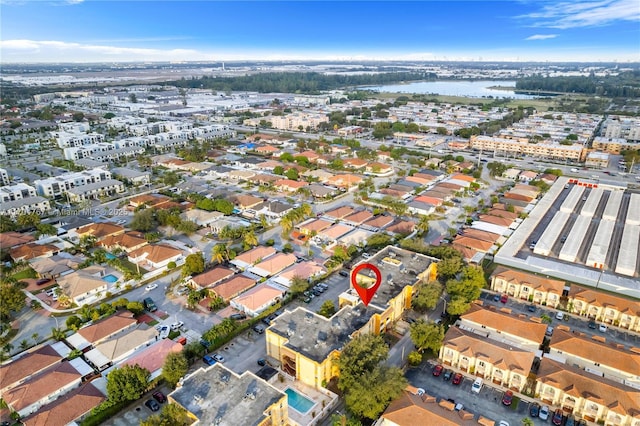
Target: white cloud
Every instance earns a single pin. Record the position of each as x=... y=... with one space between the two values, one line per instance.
x=575 y=14
x=541 y=36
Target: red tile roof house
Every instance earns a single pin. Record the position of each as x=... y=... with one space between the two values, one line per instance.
x=210 y=278
x=273 y=264
x=354 y=163
x=309 y=155
x=231 y=288
x=40 y=389
x=268 y=150
x=289 y=185
x=340 y=212
x=152 y=357
x=305 y=270
x=358 y=217
x=68 y=408
x=155 y=256
x=102 y=330
x=128 y=241
x=12 y=239
x=253 y=256
x=256 y=300
x=21 y=369
x=32 y=251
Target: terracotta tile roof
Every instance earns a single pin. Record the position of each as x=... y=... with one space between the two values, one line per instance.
x=379 y=221
x=473 y=243
x=311 y=155
x=156 y=253
x=402 y=227
x=429 y=200
x=255 y=254
x=606 y=300
x=501 y=355
x=28 y=365
x=359 y=217
x=12 y=239
x=340 y=212
x=107 y=327
x=448 y=185
x=32 y=250
x=533 y=281
x=481 y=235
x=502 y=206
x=127 y=241
x=316 y=225
x=503 y=213
x=266 y=148
x=601 y=353
x=67 y=408
x=100 y=230
x=151 y=200
x=152 y=358
x=393 y=192
x=496 y=220
x=213 y=276
x=302 y=270
x=79 y=283
x=293 y=184
x=466 y=252
x=375 y=164
x=258 y=296
x=354 y=162
x=336 y=231
x=234 y=286
x=245 y=201
x=410 y=409
x=463 y=177
x=505 y=323
x=577 y=383
x=344 y=180
x=41 y=385
x=424 y=176
x=418 y=179
x=277 y=263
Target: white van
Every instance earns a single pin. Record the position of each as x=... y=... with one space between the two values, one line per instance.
x=477 y=385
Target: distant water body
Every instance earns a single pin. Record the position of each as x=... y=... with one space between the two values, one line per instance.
x=473 y=89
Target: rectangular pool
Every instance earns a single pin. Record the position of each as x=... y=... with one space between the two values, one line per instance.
x=299 y=402
x=110 y=278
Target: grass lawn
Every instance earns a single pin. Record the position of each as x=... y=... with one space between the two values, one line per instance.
x=132 y=267
x=27 y=273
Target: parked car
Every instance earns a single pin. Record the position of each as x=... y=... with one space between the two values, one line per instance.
x=262 y=362
x=218 y=357
x=42 y=281
x=602 y=328
x=503 y=423
x=504 y=298
x=534 y=409
x=531 y=308
x=457 y=379
x=150 y=287
x=477 y=385
x=238 y=317
x=496 y=298
x=258 y=329
x=544 y=413
x=159 y=396
x=343 y=273
x=570 y=421
x=437 y=370
x=164 y=332
x=559 y=315
x=208 y=359
x=592 y=325
x=557 y=417
x=507 y=398
x=152 y=405
x=549 y=331
x=177 y=325
x=447 y=375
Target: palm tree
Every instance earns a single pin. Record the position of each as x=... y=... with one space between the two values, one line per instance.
x=7 y=347
x=264 y=222
x=220 y=253
x=57 y=334
x=24 y=344
x=423 y=225
x=250 y=238
x=85 y=313
x=35 y=337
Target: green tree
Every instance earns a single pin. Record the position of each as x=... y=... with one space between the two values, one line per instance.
x=250 y=239
x=457 y=306
x=361 y=355
x=136 y=307
x=12 y=299
x=278 y=170
x=171 y=415
x=327 y=309
x=414 y=358
x=170 y=178
x=379 y=240
x=109 y=116
x=174 y=368
x=143 y=220
x=449 y=267
x=58 y=334
x=193 y=264
x=423 y=225
x=292 y=174
x=46 y=229
x=369 y=396
x=78 y=116
x=73 y=322
x=427 y=336
x=28 y=220
x=127 y=383
x=469 y=286
x=427 y=296
x=298 y=285
x=220 y=253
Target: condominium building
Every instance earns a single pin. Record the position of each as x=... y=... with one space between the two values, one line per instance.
x=73 y=139
x=616 y=126
x=16 y=191
x=95 y=190
x=37 y=204
x=575 y=152
x=58 y=185
x=4 y=177
x=614 y=145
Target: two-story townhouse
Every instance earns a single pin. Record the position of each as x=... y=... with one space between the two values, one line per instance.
x=526 y=286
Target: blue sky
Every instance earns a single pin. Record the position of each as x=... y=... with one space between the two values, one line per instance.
x=112 y=30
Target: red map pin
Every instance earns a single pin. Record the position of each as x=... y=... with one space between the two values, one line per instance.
x=366 y=293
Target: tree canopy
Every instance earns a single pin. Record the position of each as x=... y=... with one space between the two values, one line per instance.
x=174 y=368
x=127 y=383
x=427 y=336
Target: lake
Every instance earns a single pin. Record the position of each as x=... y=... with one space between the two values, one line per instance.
x=474 y=89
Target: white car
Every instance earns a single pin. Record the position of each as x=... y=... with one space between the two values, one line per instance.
x=164 y=332
x=177 y=325
x=559 y=315
x=151 y=287
x=477 y=385
x=602 y=328
x=544 y=413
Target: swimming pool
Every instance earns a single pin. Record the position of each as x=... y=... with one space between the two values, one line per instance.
x=110 y=278
x=299 y=402
x=110 y=256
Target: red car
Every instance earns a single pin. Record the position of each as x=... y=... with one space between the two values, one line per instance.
x=507 y=398
x=437 y=370
x=504 y=298
x=457 y=379
x=557 y=417
x=159 y=396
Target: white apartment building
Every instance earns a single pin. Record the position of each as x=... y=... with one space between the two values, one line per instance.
x=291 y=121
x=70 y=139
x=3 y=150
x=58 y=185
x=4 y=177
x=74 y=127
x=616 y=126
x=37 y=204
x=121 y=123
x=16 y=191
x=94 y=191
x=488 y=144
x=103 y=152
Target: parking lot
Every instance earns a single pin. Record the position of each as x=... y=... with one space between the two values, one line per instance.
x=136 y=412
x=487 y=403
